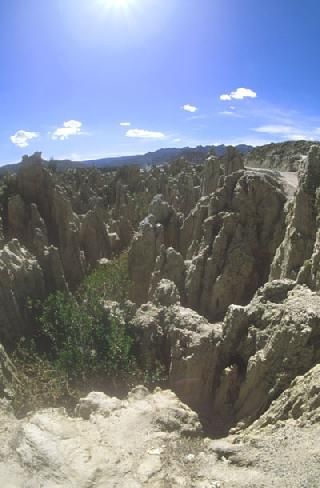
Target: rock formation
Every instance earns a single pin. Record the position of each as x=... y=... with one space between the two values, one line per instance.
x=183 y=341
x=94 y=238
x=267 y=344
x=232 y=371
x=301 y=224
x=300 y=402
x=8 y=375
x=21 y=281
x=230 y=239
x=225 y=274
x=286 y=156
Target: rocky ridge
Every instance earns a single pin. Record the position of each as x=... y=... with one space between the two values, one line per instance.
x=284 y=156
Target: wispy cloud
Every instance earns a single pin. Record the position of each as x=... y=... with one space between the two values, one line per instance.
x=238 y=94
x=275 y=129
x=70 y=128
x=290 y=132
x=22 y=138
x=125 y=124
x=198 y=117
x=190 y=108
x=270 y=114
x=230 y=113
x=145 y=134
x=274 y=123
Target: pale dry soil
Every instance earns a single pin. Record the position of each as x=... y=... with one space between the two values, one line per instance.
x=291 y=180
x=150 y=440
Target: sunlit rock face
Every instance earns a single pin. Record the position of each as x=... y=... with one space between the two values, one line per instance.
x=298 y=254
x=228 y=242
x=161 y=227
x=267 y=344
x=232 y=371
x=94 y=238
x=235 y=247
x=35 y=185
x=21 y=280
x=26 y=224
x=286 y=156
x=299 y=403
x=183 y=341
x=40 y=213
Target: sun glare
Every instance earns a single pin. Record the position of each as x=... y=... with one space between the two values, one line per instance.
x=124 y=11
x=118 y=3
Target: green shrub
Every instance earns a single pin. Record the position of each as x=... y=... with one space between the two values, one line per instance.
x=109 y=282
x=82 y=345
x=85 y=339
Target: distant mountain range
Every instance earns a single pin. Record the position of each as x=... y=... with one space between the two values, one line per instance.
x=161 y=156
x=165 y=155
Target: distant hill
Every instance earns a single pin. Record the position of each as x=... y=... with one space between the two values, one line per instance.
x=161 y=156
x=165 y=155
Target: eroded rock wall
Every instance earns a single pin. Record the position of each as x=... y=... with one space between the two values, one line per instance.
x=301 y=222
x=21 y=281
x=227 y=242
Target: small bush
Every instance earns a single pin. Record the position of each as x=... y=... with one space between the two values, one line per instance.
x=82 y=345
x=85 y=339
x=109 y=282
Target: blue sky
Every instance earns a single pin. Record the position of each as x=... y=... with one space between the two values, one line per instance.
x=180 y=72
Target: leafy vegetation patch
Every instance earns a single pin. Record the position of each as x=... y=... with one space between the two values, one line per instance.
x=84 y=343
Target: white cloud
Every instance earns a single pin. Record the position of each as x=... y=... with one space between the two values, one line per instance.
x=190 y=108
x=275 y=129
x=177 y=140
x=70 y=128
x=125 y=124
x=238 y=94
x=145 y=134
x=22 y=138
